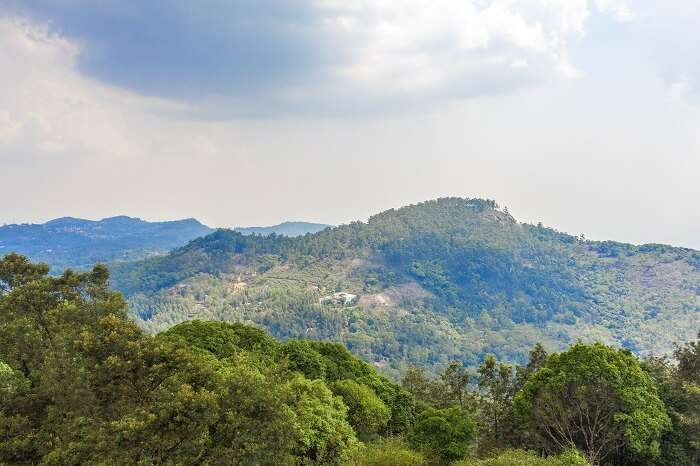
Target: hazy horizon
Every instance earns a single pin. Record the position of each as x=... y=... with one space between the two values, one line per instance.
x=331 y=224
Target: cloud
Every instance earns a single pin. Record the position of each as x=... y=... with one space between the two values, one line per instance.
x=72 y=144
x=287 y=56
x=618 y=9
x=670 y=31
x=50 y=111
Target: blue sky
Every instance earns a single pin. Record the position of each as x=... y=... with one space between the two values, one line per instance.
x=582 y=114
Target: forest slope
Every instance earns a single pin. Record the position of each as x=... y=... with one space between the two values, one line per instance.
x=427 y=283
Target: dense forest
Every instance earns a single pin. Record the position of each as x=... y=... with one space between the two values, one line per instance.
x=81 y=383
x=427 y=284
x=79 y=244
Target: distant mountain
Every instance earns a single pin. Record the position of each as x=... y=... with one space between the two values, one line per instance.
x=285 y=229
x=78 y=243
x=441 y=280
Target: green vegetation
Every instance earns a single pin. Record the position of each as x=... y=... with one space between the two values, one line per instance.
x=447 y=434
x=523 y=458
x=434 y=282
x=596 y=398
x=284 y=229
x=79 y=244
x=81 y=383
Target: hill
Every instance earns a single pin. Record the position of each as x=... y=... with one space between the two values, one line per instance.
x=284 y=229
x=428 y=283
x=77 y=243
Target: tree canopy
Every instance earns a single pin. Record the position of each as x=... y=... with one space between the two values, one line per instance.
x=597 y=399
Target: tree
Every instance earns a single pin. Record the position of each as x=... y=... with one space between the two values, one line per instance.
x=455 y=380
x=302 y=357
x=597 y=399
x=536 y=360
x=448 y=434
x=366 y=411
x=82 y=384
x=422 y=387
x=688 y=408
x=497 y=385
x=679 y=388
x=324 y=435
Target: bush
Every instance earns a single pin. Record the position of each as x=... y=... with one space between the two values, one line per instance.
x=385 y=452
x=524 y=458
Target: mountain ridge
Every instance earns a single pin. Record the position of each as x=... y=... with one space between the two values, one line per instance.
x=444 y=279
x=79 y=243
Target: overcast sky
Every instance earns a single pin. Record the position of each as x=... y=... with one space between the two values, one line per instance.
x=582 y=114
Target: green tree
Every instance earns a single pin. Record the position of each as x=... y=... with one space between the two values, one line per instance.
x=366 y=411
x=82 y=384
x=497 y=385
x=422 y=387
x=679 y=388
x=455 y=380
x=536 y=360
x=302 y=357
x=324 y=435
x=447 y=434
x=597 y=399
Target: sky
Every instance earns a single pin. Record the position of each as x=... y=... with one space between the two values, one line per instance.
x=581 y=114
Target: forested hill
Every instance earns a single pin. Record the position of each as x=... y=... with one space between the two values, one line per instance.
x=284 y=229
x=78 y=243
x=427 y=283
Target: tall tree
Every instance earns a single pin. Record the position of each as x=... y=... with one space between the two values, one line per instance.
x=597 y=399
x=497 y=385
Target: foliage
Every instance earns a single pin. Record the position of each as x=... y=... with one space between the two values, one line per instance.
x=81 y=384
x=597 y=399
x=366 y=411
x=302 y=357
x=391 y=451
x=497 y=384
x=325 y=436
x=447 y=434
x=441 y=281
x=223 y=340
x=523 y=458
x=679 y=388
x=79 y=244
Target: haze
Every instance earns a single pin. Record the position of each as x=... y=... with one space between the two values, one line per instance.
x=584 y=115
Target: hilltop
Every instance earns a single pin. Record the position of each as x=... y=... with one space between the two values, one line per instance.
x=440 y=280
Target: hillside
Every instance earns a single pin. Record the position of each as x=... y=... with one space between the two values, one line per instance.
x=284 y=229
x=82 y=384
x=445 y=279
x=77 y=243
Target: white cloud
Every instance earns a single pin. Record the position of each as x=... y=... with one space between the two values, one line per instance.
x=345 y=55
x=49 y=108
x=452 y=48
